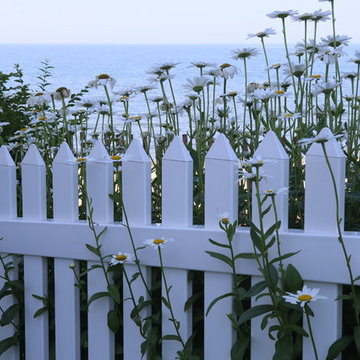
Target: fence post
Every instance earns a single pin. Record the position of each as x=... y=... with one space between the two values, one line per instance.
x=276 y=171
x=8 y=210
x=221 y=195
x=177 y=195
x=100 y=183
x=136 y=196
x=320 y=218
x=67 y=301
x=35 y=267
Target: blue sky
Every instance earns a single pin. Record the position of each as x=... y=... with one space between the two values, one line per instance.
x=160 y=21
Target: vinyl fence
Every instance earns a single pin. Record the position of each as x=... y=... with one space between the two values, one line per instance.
x=63 y=238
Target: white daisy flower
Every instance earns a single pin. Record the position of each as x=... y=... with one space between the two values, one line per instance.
x=288 y=116
x=255 y=161
x=201 y=64
x=271 y=192
x=226 y=71
x=319 y=139
x=39 y=99
x=102 y=80
x=297 y=69
x=120 y=258
x=303 y=296
x=157 y=243
x=262 y=34
x=244 y=53
x=338 y=40
x=223 y=217
x=329 y=56
x=302 y=17
x=324 y=87
x=320 y=15
x=262 y=94
x=196 y=84
x=281 y=14
x=356 y=59
x=61 y=93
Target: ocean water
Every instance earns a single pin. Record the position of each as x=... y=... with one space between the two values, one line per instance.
x=75 y=65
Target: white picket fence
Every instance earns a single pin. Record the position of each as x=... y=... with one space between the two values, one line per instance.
x=63 y=238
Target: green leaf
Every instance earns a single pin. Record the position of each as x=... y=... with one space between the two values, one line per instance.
x=93 y=249
x=170 y=337
x=221 y=257
x=246 y=256
x=98 y=295
x=357 y=338
x=37 y=297
x=216 y=300
x=114 y=293
x=8 y=342
x=239 y=348
x=271 y=229
x=297 y=329
x=165 y=302
x=284 y=348
x=263 y=213
x=40 y=311
x=256 y=240
x=254 y=312
x=285 y=256
x=256 y=289
x=293 y=281
x=113 y=321
x=339 y=346
x=219 y=244
x=9 y=314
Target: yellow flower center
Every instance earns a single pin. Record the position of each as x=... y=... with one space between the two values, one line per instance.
x=124 y=97
x=280 y=92
x=276 y=65
x=224 y=66
x=305 y=297
x=288 y=115
x=224 y=220
x=42 y=118
x=103 y=76
x=61 y=89
x=232 y=93
x=23 y=129
x=39 y=94
x=315 y=76
x=135 y=117
x=121 y=257
x=115 y=157
x=269 y=191
x=80 y=159
x=158 y=241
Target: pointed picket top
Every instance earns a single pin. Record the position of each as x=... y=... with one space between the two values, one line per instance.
x=221 y=150
x=136 y=152
x=99 y=153
x=177 y=151
x=5 y=157
x=333 y=148
x=271 y=147
x=33 y=157
x=64 y=155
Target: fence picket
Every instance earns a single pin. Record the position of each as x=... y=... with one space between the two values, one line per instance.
x=8 y=210
x=35 y=268
x=276 y=176
x=99 y=173
x=221 y=195
x=136 y=194
x=177 y=195
x=320 y=218
x=67 y=305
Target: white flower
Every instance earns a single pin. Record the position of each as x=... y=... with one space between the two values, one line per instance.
x=196 y=84
x=223 y=217
x=338 y=40
x=262 y=34
x=319 y=138
x=303 y=296
x=120 y=258
x=320 y=15
x=297 y=69
x=282 y=14
x=302 y=17
x=311 y=47
x=324 y=87
x=329 y=56
x=39 y=99
x=102 y=80
x=157 y=243
x=255 y=161
x=226 y=71
x=356 y=59
x=288 y=116
x=244 y=53
x=201 y=64
x=263 y=94
x=61 y=93
x=271 y=192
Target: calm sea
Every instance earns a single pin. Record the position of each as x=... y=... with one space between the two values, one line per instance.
x=75 y=65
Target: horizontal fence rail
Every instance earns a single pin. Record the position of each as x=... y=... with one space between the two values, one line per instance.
x=64 y=238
